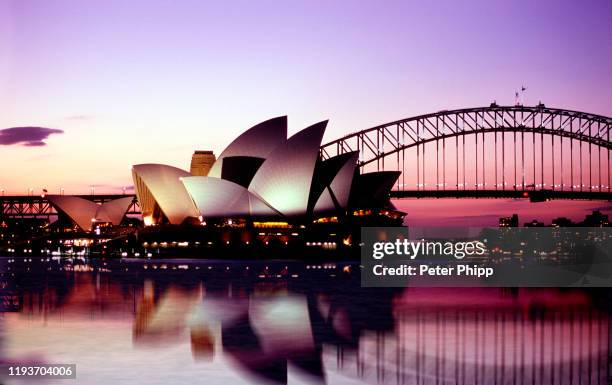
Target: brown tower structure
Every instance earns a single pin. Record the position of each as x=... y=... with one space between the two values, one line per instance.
x=201 y=162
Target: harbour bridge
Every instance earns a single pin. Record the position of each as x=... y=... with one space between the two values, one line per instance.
x=536 y=152
x=530 y=152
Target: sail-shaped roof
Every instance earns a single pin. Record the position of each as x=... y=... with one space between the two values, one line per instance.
x=158 y=184
x=80 y=210
x=114 y=211
x=84 y=212
x=216 y=198
x=258 y=141
x=334 y=179
x=285 y=177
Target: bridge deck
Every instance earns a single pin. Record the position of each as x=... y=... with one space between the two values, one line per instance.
x=38 y=206
x=28 y=206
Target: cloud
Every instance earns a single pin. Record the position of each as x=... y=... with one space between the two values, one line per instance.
x=27 y=136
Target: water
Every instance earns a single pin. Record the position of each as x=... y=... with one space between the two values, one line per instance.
x=216 y=322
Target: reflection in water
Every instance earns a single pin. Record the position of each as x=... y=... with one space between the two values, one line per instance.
x=246 y=322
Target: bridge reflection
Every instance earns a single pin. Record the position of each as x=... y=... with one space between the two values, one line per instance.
x=324 y=327
x=483 y=345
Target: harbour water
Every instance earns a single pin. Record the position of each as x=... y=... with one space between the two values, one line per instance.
x=220 y=322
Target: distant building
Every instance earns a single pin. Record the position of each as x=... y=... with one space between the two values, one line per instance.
x=534 y=223
x=562 y=222
x=596 y=219
x=512 y=221
x=201 y=162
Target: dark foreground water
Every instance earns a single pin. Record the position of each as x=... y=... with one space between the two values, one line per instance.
x=195 y=322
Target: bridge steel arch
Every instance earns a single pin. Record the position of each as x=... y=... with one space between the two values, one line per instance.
x=569 y=134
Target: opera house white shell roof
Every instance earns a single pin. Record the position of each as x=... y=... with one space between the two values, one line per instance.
x=158 y=187
x=85 y=213
x=258 y=141
x=216 y=197
x=337 y=174
x=113 y=211
x=285 y=177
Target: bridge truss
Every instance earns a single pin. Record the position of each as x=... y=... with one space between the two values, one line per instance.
x=38 y=206
x=495 y=151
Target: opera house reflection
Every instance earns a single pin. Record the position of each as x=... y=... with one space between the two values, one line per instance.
x=212 y=323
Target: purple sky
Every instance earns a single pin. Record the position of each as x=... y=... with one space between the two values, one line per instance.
x=150 y=81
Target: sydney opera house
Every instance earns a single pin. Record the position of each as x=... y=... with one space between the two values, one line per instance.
x=263 y=176
x=262 y=187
